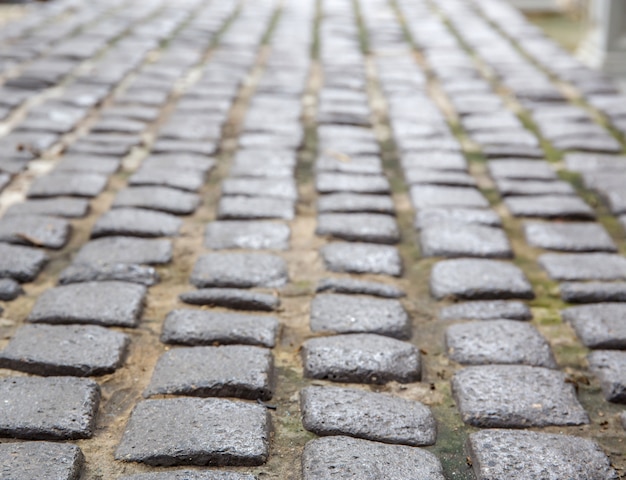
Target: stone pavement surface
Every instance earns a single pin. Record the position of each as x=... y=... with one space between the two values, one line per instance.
x=374 y=239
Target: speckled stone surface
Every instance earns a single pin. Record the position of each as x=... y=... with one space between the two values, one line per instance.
x=569 y=237
x=584 y=266
x=350 y=182
x=39 y=460
x=254 y=235
x=170 y=200
x=353 y=202
x=464 y=240
x=136 y=222
x=21 y=263
x=368 y=415
x=189 y=475
x=35 y=230
x=549 y=206
x=428 y=196
x=104 y=272
x=362 y=258
x=255 y=208
x=609 y=366
x=110 y=250
x=593 y=292
x=239 y=270
x=599 y=325
x=353 y=286
x=57 y=207
x=234 y=298
x=359 y=227
x=486 y=310
x=434 y=216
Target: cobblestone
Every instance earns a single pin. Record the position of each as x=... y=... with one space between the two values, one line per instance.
x=111 y=250
x=136 y=222
x=164 y=199
x=35 y=230
x=584 y=266
x=609 y=367
x=569 y=237
x=189 y=475
x=73 y=184
x=549 y=206
x=362 y=258
x=598 y=325
x=25 y=461
x=254 y=235
x=486 y=310
x=21 y=263
x=592 y=292
x=59 y=207
x=364 y=287
x=239 y=270
x=359 y=227
x=435 y=216
x=232 y=298
x=452 y=239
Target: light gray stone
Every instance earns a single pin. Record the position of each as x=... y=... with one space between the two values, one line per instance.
x=104 y=272
x=9 y=289
x=239 y=270
x=449 y=239
x=255 y=208
x=235 y=298
x=486 y=310
x=72 y=184
x=111 y=250
x=511 y=187
x=362 y=258
x=610 y=369
x=549 y=206
x=599 y=325
x=355 y=203
x=30 y=460
x=252 y=235
x=429 y=196
x=359 y=227
x=351 y=182
x=57 y=207
x=88 y=163
x=570 y=237
x=352 y=286
x=35 y=230
x=188 y=180
x=520 y=169
x=584 y=266
x=136 y=222
x=189 y=475
x=427 y=217
x=255 y=187
x=21 y=263
x=593 y=292
x=164 y=199
x=362 y=164
x=427 y=176
x=435 y=159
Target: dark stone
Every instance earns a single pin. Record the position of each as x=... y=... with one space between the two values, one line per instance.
x=80 y=351
x=569 y=237
x=189 y=475
x=196 y=431
x=234 y=298
x=361 y=358
x=363 y=227
x=434 y=216
x=363 y=459
x=486 y=310
x=30 y=460
x=255 y=208
x=351 y=182
x=103 y=272
x=368 y=415
x=35 y=230
x=111 y=250
x=73 y=184
x=165 y=199
x=136 y=222
x=516 y=396
x=353 y=286
x=239 y=270
x=205 y=327
x=190 y=180
x=549 y=206
x=427 y=196
x=514 y=168
x=362 y=258
x=57 y=207
x=451 y=239
x=350 y=314
x=253 y=235
x=52 y=408
x=593 y=292
x=9 y=289
x=610 y=369
x=99 y=303
x=21 y=263
x=599 y=325
x=524 y=455
x=241 y=371
x=584 y=266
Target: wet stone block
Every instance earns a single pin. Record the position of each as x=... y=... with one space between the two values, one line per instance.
x=593 y=292
x=486 y=310
x=80 y=351
x=253 y=235
x=351 y=314
x=516 y=396
x=234 y=298
x=478 y=279
x=427 y=217
x=610 y=368
x=239 y=270
x=359 y=227
x=521 y=169
x=189 y=475
x=362 y=258
x=100 y=303
x=189 y=180
x=104 y=272
x=227 y=371
x=523 y=455
x=9 y=289
x=359 y=458
x=136 y=222
x=427 y=196
x=498 y=341
x=111 y=250
x=204 y=327
x=350 y=182
x=164 y=199
x=549 y=206
x=30 y=460
x=72 y=184
x=35 y=230
x=52 y=408
x=364 y=287
x=458 y=240
x=367 y=415
x=255 y=208
x=569 y=237
x=57 y=207
x=355 y=203
x=21 y=263
x=361 y=358
x=584 y=266
x=599 y=325
x=196 y=431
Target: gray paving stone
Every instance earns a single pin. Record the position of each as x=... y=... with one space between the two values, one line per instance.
x=241 y=371
x=359 y=227
x=427 y=217
x=29 y=460
x=255 y=208
x=581 y=162
x=498 y=341
x=599 y=325
x=189 y=475
x=35 y=230
x=185 y=161
x=234 y=298
x=164 y=199
x=363 y=164
x=58 y=207
x=622 y=221
x=351 y=182
x=9 y=289
x=136 y=222
x=518 y=136
x=75 y=350
x=361 y=358
x=196 y=431
x=205 y=327
x=184 y=146
x=507 y=187
x=362 y=258
x=426 y=176
x=339 y=458
x=606 y=144
x=100 y=303
x=478 y=279
x=427 y=196
x=52 y=408
x=368 y=415
x=351 y=314
x=253 y=187
x=72 y=184
x=610 y=369
x=584 y=266
x=239 y=270
x=252 y=235
x=353 y=286
x=103 y=272
x=569 y=237
x=352 y=202
x=86 y=163
x=451 y=239
x=593 y=292
x=520 y=169
x=183 y=179
x=516 y=396
x=21 y=263
x=486 y=310
x=523 y=455
x=111 y=250
x=549 y=206
x=518 y=151
x=434 y=159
